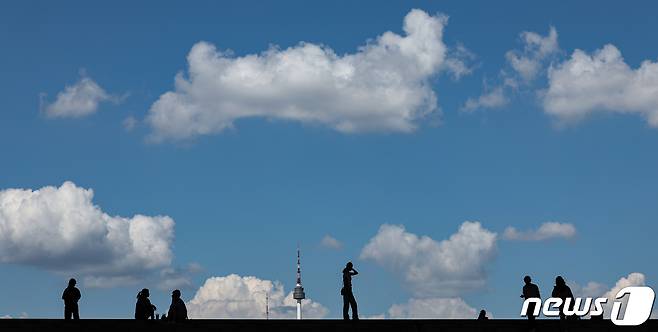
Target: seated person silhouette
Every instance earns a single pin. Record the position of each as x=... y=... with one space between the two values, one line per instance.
x=530 y=291
x=143 y=308
x=71 y=296
x=483 y=315
x=177 y=310
x=346 y=292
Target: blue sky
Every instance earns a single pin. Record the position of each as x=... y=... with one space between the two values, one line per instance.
x=243 y=197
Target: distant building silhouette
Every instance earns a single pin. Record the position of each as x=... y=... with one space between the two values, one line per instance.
x=143 y=308
x=177 y=310
x=71 y=296
x=346 y=292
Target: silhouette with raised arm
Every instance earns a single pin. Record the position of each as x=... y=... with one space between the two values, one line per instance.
x=483 y=315
x=71 y=296
x=144 y=309
x=530 y=291
x=562 y=291
x=346 y=292
x=177 y=310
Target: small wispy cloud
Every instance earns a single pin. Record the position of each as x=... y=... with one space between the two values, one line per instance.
x=78 y=100
x=331 y=242
x=547 y=230
x=129 y=123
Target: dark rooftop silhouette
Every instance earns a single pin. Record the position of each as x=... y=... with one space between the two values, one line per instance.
x=126 y=325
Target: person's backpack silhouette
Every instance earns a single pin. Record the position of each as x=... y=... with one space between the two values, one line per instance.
x=346 y=292
x=71 y=296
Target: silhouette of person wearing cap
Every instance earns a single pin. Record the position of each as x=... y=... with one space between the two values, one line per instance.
x=346 y=292
x=71 y=296
x=530 y=291
x=177 y=310
x=143 y=308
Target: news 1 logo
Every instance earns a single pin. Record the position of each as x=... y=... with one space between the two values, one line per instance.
x=637 y=311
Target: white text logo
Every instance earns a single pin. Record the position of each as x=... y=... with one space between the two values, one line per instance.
x=638 y=306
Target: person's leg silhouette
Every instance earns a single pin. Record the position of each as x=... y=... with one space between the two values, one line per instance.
x=355 y=312
x=76 y=312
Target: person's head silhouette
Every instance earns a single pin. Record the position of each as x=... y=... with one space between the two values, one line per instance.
x=483 y=314
x=527 y=279
x=72 y=282
x=559 y=281
x=144 y=293
x=175 y=294
x=349 y=265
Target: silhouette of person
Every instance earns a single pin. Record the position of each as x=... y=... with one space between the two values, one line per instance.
x=483 y=315
x=144 y=309
x=177 y=310
x=346 y=292
x=563 y=291
x=530 y=291
x=71 y=296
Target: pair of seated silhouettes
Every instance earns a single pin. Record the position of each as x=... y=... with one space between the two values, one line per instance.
x=145 y=310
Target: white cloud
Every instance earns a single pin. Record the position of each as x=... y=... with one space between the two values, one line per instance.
x=547 y=230
x=530 y=62
x=234 y=296
x=60 y=229
x=178 y=278
x=129 y=123
x=23 y=315
x=433 y=308
x=457 y=61
x=331 y=242
x=633 y=279
x=493 y=99
x=601 y=82
x=525 y=65
x=591 y=289
x=383 y=86
x=78 y=100
x=595 y=289
x=430 y=268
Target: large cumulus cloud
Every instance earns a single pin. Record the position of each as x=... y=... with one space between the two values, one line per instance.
x=601 y=82
x=383 y=86
x=234 y=296
x=430 y=268
x=60 y=229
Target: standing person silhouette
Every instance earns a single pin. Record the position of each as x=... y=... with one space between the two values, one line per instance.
x=71 y=296
x=346 y=292
x=177 y=310
x=530 y=291
x=563 y=291
x=143 y=308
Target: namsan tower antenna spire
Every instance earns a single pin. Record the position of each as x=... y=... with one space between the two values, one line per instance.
x=298 y=294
